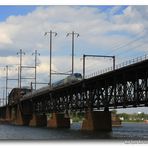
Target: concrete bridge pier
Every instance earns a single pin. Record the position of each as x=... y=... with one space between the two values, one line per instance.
x=58 y=120
x=38 y=120
x=20 y=118
x=97 y=121
x=8 y=113
x=3 y=114
x=13 y=114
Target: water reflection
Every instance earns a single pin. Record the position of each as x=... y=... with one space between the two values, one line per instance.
x=128 y=131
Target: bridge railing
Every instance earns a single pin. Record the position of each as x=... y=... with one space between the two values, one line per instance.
x=123 y=64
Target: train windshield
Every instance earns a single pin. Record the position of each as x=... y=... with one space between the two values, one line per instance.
x=77 y=75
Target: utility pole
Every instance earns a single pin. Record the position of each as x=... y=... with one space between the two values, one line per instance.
x=18 y=75
x=7 y=79
x=101 y=56
x=50 y=48
x=35 y=64
x=114 y=62
x=84 y=66
x=3 y=96
x=17 y=69
x=21 y=53
x=73 y=38
x=6 y=82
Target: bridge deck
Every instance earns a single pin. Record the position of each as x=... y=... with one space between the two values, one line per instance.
x=123 y=87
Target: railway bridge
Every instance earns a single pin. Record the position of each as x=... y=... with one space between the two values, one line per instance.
x=124 y=87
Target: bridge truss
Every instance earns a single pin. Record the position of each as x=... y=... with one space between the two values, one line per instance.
x=121 y=88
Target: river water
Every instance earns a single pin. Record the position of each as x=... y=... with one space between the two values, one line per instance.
x=128 y=131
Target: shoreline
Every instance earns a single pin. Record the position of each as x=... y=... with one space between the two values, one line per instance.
x=133 y=122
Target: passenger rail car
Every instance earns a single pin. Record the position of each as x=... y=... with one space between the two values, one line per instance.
x=37 y=92
x=25 y=93
x=68 y=80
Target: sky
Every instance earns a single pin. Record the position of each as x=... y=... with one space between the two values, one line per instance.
x=104 y=30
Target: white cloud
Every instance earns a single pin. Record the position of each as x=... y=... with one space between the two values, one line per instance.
x=27 y=31
x=99 y=33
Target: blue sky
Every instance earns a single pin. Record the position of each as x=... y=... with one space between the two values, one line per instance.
x=111 y=30
x=6 y=11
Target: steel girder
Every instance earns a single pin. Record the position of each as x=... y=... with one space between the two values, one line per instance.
x=125 y=87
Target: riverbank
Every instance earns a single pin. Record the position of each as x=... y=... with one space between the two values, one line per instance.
x=133 y=122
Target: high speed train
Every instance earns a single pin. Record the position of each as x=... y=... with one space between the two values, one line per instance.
x=68 y=80
x=24 y=93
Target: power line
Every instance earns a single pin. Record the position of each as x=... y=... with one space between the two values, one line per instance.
x=124 y=44
x=129 y=49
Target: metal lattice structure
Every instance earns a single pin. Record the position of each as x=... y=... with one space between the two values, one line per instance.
x=121 y=88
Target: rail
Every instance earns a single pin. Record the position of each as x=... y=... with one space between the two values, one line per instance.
x=118 y=66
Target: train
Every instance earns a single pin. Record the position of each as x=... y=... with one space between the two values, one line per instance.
x=68 y=80
x=25 y=92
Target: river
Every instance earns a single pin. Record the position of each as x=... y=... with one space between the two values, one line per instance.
x=127 y=132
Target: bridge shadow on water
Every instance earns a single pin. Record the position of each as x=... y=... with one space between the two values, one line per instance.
x=13 y=132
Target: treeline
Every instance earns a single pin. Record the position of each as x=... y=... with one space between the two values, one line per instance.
x=135 y=117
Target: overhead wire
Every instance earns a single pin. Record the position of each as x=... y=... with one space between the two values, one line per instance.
x=138 y=37
x=127 y=44
x=129 y=49
x=121 y=45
